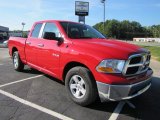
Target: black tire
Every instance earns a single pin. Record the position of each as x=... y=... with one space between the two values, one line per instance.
x=18 y=65
x=90 y=86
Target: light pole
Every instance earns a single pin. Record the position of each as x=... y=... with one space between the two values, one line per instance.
x=23 y=24
x=103 y=1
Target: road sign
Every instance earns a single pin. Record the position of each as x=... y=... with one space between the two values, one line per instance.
x=81 y=8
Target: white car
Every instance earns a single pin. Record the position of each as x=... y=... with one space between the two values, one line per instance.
x=5 y=43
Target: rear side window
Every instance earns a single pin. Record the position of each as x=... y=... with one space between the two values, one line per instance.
x=36 y=30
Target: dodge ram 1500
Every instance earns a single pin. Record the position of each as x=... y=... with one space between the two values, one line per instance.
x=90 y=65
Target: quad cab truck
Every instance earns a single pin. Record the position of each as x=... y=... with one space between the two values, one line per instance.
x=91 y=65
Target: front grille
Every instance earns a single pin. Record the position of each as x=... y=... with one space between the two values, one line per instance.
x=135 y=60
x=132 y=70
x=136 y=64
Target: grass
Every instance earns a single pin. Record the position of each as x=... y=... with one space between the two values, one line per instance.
x=155 y=51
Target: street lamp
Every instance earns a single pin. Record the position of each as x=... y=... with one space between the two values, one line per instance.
x=23 y=24
x=103 y=1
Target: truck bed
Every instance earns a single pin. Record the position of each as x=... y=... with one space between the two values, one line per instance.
x=19 y=42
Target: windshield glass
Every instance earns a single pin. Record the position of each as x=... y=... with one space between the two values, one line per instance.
x=80 y=31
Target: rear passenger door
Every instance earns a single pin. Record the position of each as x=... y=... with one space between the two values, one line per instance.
x=49 y=50
x=31 y=45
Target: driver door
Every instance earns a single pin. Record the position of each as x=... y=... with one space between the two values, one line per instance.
x=49 y=51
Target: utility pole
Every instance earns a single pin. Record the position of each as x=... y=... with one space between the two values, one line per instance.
x=104 y=15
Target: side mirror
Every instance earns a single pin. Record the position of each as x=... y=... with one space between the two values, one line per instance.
x=52 y=36
x=60 y=40
x=49 y=36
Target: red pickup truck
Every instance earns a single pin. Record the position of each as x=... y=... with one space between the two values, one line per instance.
x=90 y=65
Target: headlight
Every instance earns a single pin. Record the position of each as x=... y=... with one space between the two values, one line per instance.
x=111 y=66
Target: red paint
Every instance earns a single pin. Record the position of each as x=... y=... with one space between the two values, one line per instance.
x=89 y=52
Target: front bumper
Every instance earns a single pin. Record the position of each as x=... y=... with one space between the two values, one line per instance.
x=109 y=92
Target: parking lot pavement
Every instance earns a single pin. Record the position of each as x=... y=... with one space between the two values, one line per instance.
x=31 y=95
x=13 y=110
x=50 y=94
x=147 y=105
x=44 y=91
x=7 y=74
x=3 y=54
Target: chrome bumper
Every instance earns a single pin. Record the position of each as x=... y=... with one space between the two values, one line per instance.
x=122 y=92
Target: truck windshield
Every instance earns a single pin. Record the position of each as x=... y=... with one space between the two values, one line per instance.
x=80 y=31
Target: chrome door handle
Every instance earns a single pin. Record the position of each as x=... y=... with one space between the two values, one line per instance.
x=41 y=45
x=28 y=43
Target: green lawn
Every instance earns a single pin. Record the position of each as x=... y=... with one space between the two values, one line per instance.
x=155 y=51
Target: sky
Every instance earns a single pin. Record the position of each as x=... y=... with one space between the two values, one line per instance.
x=14 y=12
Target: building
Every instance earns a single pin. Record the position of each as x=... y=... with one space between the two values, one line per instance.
x=18 y=33
x=3 y=33
x=146 y=39
x=15 y=33
x=4 y=29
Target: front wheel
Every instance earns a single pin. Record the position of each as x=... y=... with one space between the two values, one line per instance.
x=81 y=86
x=18 y=65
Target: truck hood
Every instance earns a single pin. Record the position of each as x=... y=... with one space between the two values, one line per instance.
x=106 y=48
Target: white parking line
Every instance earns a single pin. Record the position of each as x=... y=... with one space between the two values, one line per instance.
x=117 y=111
x=6 y=64
x=33 y=105
x=20 y=80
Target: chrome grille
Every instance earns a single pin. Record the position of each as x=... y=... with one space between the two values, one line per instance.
x=136 y=64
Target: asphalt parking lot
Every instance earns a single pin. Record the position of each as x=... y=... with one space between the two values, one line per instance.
x=31 y=95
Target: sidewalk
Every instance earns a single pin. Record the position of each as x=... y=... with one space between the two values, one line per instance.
x=155 y=65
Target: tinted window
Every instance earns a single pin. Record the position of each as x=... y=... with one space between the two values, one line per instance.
x=36 y=30
x=80 y=31
x=51 y=27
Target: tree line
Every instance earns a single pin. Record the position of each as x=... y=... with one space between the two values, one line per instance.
x=127 y=30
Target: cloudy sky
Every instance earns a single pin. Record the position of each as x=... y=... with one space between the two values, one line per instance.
x=14 y=12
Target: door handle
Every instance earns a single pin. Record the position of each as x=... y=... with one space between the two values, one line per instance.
x=28 y=43
x=41 y=45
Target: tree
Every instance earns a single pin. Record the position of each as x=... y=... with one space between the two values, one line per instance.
x=127 y=30
x=112 y=28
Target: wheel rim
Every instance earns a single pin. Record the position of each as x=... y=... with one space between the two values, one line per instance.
x=15 y=61
x=77 y=86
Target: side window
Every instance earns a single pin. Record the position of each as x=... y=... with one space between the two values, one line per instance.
x=36 y=30
x=51 y=27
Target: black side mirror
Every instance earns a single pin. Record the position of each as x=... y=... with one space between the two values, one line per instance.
x=52 y=36
x=49 y=36
x=60 y=40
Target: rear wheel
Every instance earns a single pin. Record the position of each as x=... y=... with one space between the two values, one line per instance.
x=18 y=65
x=81 y=86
